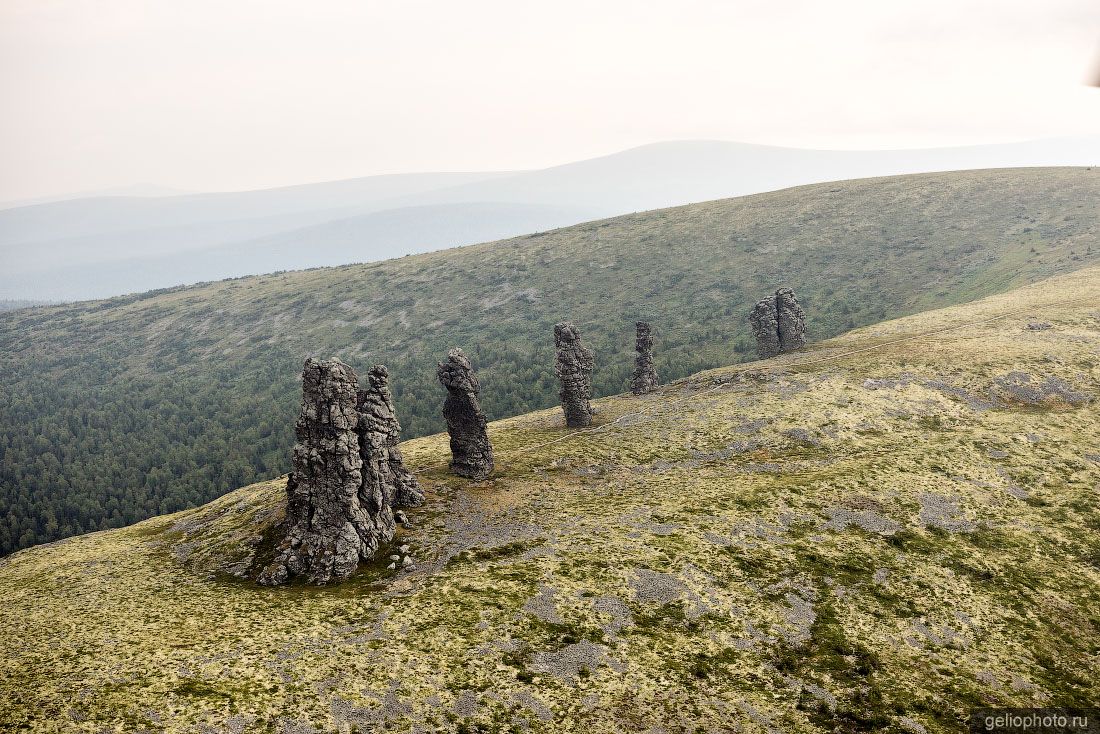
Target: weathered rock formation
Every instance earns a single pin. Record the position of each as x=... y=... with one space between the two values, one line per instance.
x=471 y=452
x=338 y=505
x=573 y=367
x=644 y=379
x=778 y=324
x=792 y=321
x=380 y=433
x=765 y=327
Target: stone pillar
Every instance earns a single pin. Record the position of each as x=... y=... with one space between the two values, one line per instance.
x=792 y=321
x=778 y=324
x=765 y=327
x=380 y=432
x=338 y=510
x=573 y=367
x=471 y=452
x=645 y=376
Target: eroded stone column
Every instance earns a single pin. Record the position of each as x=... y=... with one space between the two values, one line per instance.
x=573 y=367
x=471 y=452
x=765 y=327
x=644 y=379
x=778 y=324
x=380 y=432
x=338 y=510
x=791 y=321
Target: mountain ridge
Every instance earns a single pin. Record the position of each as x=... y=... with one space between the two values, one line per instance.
x=36 y=240
x=121 y=409
x=758 y=564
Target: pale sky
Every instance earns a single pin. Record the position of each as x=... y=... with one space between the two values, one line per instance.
x=216 y=95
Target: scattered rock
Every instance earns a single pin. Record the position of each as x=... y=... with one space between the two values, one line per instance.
x=941 y=512
x=471 y=452
x=567 y=663
x=1038 y=326
x=841 y=517
x=1020 y=387
x=803 y=436
x=656 y=587
x=645 y=376
x=573 y=367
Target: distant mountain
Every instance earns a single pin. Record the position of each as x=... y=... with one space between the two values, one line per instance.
x=362 y=238
x=116 y=410
x=138 y=190
x=683 y=172
x=11 y=305
x=104 y=246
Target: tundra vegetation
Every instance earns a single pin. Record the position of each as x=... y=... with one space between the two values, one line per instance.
x=878 y=532
x=113 y=411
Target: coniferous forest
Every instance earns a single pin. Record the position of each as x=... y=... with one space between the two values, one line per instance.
x=118 y=410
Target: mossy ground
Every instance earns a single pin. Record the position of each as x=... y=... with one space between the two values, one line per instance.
x=839 y=540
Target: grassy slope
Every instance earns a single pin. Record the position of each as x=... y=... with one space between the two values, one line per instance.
x=165 y=400
x=846 y=537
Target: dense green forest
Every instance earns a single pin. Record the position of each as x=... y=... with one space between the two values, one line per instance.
x=116 y=410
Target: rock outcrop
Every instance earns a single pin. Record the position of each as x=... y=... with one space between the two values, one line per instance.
x=380 y=432
x=471 y=452
x=778 y=324
x=792 y=321
x=644 y=379
x=573 y=367
x=765 y=327
x=338 y=503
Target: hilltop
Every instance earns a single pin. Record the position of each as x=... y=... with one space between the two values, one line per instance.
x=100 y=246
x=877 y=533
x=118 y=410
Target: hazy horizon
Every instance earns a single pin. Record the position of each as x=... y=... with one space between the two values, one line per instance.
x=207 y=97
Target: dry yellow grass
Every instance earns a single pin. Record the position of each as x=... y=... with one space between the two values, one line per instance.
x=878 y=533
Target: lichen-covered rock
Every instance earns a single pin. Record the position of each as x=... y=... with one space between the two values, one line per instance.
x=791 y=321
x=765 y=327
x=573 y=367
x=644 y=379
x=471 y=452
x=338 y=510
x=380 y=432
x=778 y=324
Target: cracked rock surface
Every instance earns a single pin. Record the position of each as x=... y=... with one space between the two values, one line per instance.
x=338 y=505
x=471 y=452
x=573 y=368
x=380 y=432
x=644 y=379
x=778 y=324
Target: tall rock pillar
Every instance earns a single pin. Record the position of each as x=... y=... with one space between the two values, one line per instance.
x=471 y=452
x=644 y=379
x=380 y=432
x=778 y=324
x=338 y=510
x=573 y=367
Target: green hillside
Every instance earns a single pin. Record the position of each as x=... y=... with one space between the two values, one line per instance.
x=117 y=410
x=877 y=534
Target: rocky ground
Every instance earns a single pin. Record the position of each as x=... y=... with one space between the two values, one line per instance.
x=879 y=532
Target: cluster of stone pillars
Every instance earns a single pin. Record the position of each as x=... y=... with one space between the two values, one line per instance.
x=349 y=479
